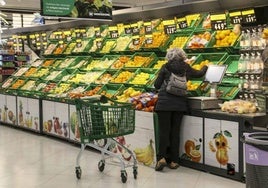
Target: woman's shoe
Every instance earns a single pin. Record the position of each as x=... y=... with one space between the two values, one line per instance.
x=173 y=165
x=160 y=164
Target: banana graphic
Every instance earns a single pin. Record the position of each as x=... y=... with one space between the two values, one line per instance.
x=145 y=155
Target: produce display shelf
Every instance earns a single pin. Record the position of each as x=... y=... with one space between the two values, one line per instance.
x=143 y=76
x=232 y=64
x=111 y=90
x=141 y=59
x=123 y=75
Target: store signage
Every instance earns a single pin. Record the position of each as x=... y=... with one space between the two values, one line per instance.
x=248 y=16
x=182 y=23
x=136 y=40
x=218 y=21
x=97 y=32
x=169 y=26
x=235 y=17
x=148 y=28
x=99 y=43
x=91 y=9
x=78 y=43
x=113 y=32
x=128 y=30
x=135 y=29
x=148 y=39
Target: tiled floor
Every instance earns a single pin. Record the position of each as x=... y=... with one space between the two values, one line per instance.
x=31 y=161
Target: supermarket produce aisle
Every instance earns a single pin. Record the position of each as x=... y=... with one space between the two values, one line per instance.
x=33 y=161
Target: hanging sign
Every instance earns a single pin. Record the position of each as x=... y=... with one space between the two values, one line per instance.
x=148 y=39
x=248 y=16
x=218 y=21
x=235 y=17
x=113 y=32
x=169 y=26
x=182 y=23
x=96 y=9
x=136 y=40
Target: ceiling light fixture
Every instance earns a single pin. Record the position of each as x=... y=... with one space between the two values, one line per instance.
x=2 y=2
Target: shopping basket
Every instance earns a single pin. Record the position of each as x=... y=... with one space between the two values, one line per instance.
x=102 y=118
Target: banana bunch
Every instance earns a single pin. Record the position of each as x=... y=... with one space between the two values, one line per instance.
x=145 y=155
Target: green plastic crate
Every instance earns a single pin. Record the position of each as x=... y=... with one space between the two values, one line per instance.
x=214 y=58
x=151 y=57
x=123 y=75
x=135 y=80
x=111 y=90
x=232 y=63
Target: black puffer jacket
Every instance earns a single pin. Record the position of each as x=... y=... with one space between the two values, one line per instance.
x=169 y=102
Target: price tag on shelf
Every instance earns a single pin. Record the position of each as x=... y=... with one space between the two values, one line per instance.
x=127 y=29
x=169 y=26
x=135 y=29
x=148 y=27
x=218 y=21
x=182 y=23
x=113 y=32
x=235 y=17
x=136 y=40
x=78 y=43
x=97 y=32
x=148 y=39
x=99 y=43
x=248 y=16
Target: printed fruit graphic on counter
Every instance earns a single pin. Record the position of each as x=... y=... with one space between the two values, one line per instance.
x=220 y=146
x=192 y=151
x=145 y=155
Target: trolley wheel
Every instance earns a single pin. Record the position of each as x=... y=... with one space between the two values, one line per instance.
x=78 y=172
x=101 y=165
x=123 y=176
x=135 y=172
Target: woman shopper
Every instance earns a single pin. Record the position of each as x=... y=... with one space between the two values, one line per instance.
x=171 y=108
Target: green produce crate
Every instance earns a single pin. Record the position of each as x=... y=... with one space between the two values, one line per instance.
x=227 y=92
x=214 y=58
x=66 y=74
x=147 y=58
x=232 y=81
x=60 y=48
x=69 y=48
x=111 y=90
x=192 y=24
x=84 y=77
x=30 y=72
x=7 y=83
x=159 y=63
x=232 y=63
x=123 y=75
x=139 y=80
x=230 y=48
x=20 y=71
x=179 y=40
x=37 y=63
x=192 y=91
x=128 y=92
x=49 y=50
x=66 y=62
x=41 y=72
x=57 y=62
x=105 y=77
x=122 y=43
x=53 y=74
x=107 y=46
x=156 y=44
x=136 y=44
x=193 y=45
x=82 y=46
x=120 y=62
x=79 y=62
x=48 y=62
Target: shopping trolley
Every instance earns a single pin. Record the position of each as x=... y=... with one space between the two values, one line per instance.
x=102 y=118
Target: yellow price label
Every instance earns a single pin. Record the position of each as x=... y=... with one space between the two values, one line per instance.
x=248 y=12
x=32 y=36
x=147 y=23
x=169 y=22
x=134 y=25
x=113 y=28
x=78 y=40
x=38 y=44
x=234 y=14
x=216 y=17
x=44 y=34
x=148 y=36
x=60 y=42
x=181 y=19
x=82 y=30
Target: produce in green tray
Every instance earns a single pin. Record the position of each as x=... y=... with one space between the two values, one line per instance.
x=107 y=46
x=122 y=43
x=50 y=49
x=66 y=62
x=29 y=85
x=142 y=78
x=80 y=46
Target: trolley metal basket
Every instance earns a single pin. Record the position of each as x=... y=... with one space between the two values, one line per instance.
x=102 y=118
